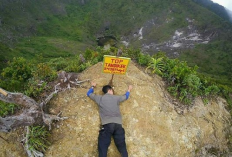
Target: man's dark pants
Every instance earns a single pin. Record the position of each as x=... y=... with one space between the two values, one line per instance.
x=104 y=139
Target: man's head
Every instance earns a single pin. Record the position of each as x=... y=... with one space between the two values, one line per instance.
x=107 y=89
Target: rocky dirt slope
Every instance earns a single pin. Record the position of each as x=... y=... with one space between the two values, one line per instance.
x=153 y=127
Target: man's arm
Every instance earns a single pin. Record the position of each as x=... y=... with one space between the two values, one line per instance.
x=128 y=91
x=91 y=89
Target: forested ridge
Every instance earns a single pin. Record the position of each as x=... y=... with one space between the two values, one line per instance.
x=65 y=28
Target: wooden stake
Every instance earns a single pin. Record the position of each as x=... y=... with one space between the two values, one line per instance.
x=111 y=81
x=2 y=91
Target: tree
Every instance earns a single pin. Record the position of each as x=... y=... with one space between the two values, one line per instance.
x=32 y=112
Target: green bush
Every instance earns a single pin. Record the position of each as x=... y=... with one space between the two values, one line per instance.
x=192 y=83
x=143 y=59
x=44 y=72
x=73 y=67
x=211 y=90
x=16 y=74
x=182 y=80
x=88 y=55
x=132 y=53
x=58 y=63
x=173 y=90
x=185 y=96
x=35 y=87
x=12 y=85
x=18 y=69
x=85 y=65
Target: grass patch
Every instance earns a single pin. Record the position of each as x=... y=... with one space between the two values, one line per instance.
x=37 y=138
x=7 y=108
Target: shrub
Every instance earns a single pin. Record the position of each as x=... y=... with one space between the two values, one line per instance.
x=143 y=59
x=72 y=67
x=182 y=79
x=58 y=63
x=19 y=69
x=44 y=72
x=88 y=55
x=185 y=96
x=156 y=65
x=35 y=87
x=131 y=53
x=173 y=90
x=193 y=83
x=16 y=74
x=85 y=65
x=213 y=90
x=12 y=85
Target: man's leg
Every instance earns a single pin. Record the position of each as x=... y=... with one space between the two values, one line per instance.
x=104 y=140
x=119 y=140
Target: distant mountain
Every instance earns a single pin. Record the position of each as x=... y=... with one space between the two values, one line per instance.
x=216 y=8
x=198 y=32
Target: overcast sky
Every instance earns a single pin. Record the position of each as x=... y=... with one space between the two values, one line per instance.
x=226 y=3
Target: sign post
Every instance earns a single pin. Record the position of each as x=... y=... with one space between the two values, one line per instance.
x=115 y=65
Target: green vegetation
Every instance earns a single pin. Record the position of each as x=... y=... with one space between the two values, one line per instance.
x=37 y=138
x=66 y=28
x=183 y=82
x=7 y=109
x=16 y=74
x=216 y=8
x=213 y=60
x=38 y=39
x=156 y=65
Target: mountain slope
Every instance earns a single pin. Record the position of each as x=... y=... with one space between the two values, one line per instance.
x=182 y=28
x=216 y=8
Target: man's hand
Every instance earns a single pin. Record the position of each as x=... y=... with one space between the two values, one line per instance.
x=93 y=84
x=129 y=88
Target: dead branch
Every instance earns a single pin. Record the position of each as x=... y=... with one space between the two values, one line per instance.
x=30 y=152
x=32 y=112
x=27 y=118
x=49 y=98
x=17 y=98
x=48 y=119
x=67 y=80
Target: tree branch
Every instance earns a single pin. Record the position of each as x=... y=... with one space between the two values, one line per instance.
x=27 y=118
x=17 y=98
x=49 y=118
x=32 y=113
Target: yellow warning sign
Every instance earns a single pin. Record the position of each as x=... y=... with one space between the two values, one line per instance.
x=115 y=65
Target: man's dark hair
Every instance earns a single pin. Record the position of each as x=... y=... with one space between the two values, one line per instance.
x=106 y=88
